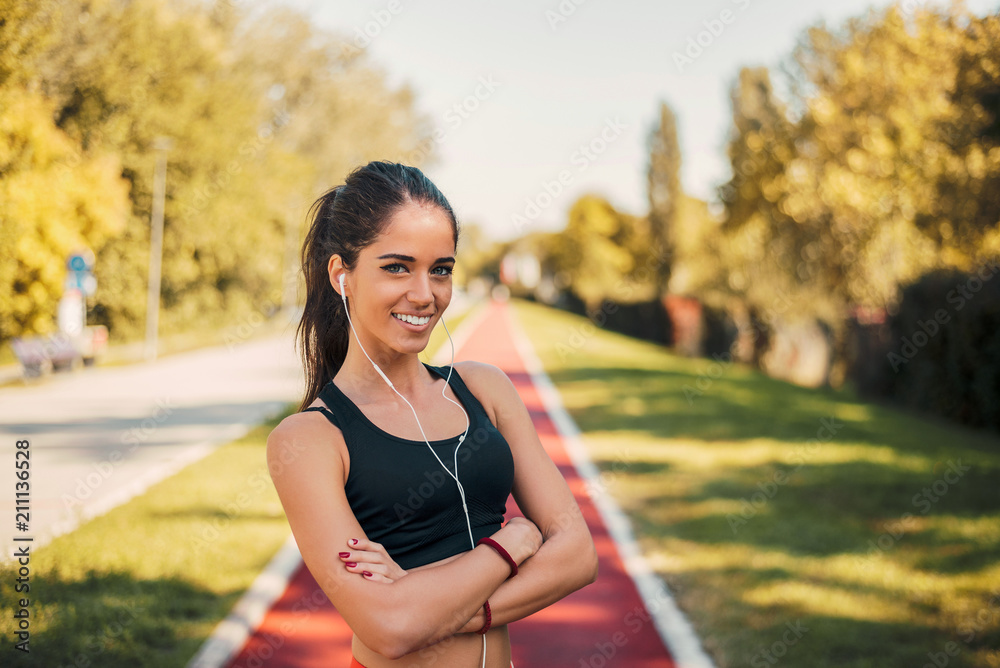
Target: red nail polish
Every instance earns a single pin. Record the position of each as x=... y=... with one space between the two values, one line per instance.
x=345 y=555
x=351 y=564
x=367 y=574
x=354 y=541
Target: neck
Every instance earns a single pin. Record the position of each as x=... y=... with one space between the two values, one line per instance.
x=405 y=370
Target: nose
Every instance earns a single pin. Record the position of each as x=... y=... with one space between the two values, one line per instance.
x=421 y=292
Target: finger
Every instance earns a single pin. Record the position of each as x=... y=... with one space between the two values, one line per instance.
x=373 y=572
x=362 y=543
x=365 y=545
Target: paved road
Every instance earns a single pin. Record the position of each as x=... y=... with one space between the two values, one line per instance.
x=102 y=435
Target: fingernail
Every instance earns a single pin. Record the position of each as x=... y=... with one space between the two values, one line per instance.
x=345 y=555
x=354 y=541
x=351 y=564
x=367 y=574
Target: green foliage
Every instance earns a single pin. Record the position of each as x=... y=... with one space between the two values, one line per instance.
x=883 y=166
x=664 y=190
x=53 y=201
x=944 y=356
x=605 y=254
x=264 y=112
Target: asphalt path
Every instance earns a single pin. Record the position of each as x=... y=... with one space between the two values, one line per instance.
x=102 y=435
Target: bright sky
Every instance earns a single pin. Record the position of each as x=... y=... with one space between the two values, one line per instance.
x=537 y=103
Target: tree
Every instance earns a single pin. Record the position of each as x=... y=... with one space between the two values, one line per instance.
x=663 y=176
x=604 y=254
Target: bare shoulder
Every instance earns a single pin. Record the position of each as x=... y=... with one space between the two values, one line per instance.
x=491 y=385
x=480 y=375
x=306 y=438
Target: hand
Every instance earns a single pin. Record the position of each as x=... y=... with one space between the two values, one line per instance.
x=365 y=556
x=520 y=537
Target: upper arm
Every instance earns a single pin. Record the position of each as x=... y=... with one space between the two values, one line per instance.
x=306 y=468
x=539 y=488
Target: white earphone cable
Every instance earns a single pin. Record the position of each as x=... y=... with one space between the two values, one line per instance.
x=461 y=438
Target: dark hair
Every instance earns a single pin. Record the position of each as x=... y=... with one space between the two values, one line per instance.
x=344 y=220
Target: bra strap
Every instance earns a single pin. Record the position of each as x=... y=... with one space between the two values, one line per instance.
x=324 y=410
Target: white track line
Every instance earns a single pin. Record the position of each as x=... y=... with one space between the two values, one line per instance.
x=475 y=315
x=674 y=628
x=232 y=632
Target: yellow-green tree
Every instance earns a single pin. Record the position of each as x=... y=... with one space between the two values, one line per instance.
x=605 y=254
x=664 y=190
x=53 y=201
x=265 y=113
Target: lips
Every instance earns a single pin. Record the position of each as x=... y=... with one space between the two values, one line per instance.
x=417 y=321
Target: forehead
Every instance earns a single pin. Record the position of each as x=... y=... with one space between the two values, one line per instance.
x=417 y=229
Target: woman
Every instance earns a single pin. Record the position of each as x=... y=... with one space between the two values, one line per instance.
x=396 y=510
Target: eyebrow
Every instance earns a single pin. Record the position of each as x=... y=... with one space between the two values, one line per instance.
x=410 y=258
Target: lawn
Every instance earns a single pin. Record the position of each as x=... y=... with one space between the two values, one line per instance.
x=146 y=583
x=796 y=526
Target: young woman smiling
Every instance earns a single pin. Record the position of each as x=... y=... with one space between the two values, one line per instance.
x=400 y=518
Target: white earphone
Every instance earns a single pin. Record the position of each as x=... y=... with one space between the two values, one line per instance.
x=461 y=490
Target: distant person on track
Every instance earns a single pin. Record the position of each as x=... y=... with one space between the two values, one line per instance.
x=395 y=474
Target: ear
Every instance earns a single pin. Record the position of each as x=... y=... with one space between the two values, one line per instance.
x=335 y=269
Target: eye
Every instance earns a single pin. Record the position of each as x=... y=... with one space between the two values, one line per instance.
x=447 y=270
x=389 y=267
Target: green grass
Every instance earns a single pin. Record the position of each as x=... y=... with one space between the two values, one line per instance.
x=757 y=519
x=146 y=583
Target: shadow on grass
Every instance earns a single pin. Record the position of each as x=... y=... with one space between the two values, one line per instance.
x=114 y=620
x=744 y=404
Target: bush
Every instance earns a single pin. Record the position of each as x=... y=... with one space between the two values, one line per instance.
x=944 y=350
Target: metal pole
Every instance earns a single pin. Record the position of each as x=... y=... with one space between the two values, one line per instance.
x=162 y=145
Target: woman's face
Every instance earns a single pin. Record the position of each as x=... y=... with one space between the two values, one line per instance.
x=405 y=275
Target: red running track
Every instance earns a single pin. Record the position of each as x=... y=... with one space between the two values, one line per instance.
x=604 y=624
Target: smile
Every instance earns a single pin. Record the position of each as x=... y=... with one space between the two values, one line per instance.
x=413 y=320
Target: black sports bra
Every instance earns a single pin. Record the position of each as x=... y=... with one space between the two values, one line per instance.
x=401 y=495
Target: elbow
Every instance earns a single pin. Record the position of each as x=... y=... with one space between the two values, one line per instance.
x=395 y=635
x=592 y=573
x=591 y=565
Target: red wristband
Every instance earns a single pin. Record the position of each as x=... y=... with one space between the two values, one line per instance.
x=502 y=552
x=489 y=619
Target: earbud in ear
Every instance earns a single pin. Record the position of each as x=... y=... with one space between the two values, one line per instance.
x=341 y=285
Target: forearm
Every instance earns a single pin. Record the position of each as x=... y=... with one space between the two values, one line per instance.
x=432 y=604
x=565 y=563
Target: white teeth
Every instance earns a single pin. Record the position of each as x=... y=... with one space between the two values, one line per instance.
x=413 y=320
